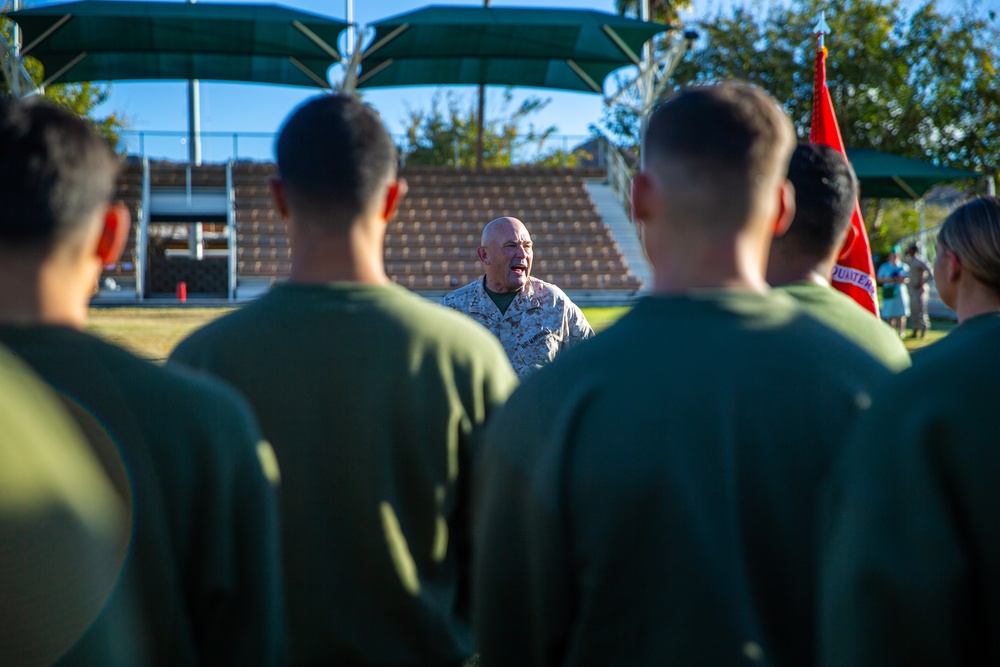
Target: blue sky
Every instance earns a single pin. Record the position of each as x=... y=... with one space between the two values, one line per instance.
x=241 y=108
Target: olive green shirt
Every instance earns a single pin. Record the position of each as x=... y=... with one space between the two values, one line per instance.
x=373 y=399
x=63 y=527
x=204 y=569
x=842 y=314
x=911 y=561
x=649 y=498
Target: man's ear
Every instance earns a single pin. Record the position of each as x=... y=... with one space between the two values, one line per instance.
x=394 y=197
x=786 y=208
x=114 y=234
x=482 y=255
x=643 y=196
x=278 y=195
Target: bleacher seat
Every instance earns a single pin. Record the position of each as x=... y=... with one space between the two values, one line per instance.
x=431 y=246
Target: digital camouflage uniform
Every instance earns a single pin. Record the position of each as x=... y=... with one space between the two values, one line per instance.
x=539 y=323
x=920 y=278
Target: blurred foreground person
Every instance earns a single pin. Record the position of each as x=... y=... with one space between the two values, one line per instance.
x=655 y=502
x=63 y=527
x=911 y=568
x=373 y=398
x=534 y=320
x=204 y=569
x=802 y=259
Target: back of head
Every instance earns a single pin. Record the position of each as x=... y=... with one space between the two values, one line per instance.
x=55 y=173
x=826 y=192
x=334 y=158
x=972 y=232
x=715 y=149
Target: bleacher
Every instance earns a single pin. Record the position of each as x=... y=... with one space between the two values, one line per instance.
x=431 y=246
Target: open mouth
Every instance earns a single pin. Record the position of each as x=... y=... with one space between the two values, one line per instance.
x=519 y=269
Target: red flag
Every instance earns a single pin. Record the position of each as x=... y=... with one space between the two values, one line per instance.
x=853 y=274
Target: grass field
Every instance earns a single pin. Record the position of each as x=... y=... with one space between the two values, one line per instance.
x=153 y=332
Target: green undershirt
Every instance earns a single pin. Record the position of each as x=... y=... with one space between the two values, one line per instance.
x=501 y=299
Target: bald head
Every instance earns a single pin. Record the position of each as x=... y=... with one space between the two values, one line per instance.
x=506 y=254
x=501 y=226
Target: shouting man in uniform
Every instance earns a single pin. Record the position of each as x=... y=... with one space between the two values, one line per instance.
x=533 y=319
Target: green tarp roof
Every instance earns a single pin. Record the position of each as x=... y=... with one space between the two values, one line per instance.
x=102 y=40
x=888 y=176
x=550 y=48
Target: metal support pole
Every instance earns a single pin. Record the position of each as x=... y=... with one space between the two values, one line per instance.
x=194 y=120
x=349 y=10
x=479 y=127
x=15 y=37
x=645 y=84
x=922 y=213
x=479 y=117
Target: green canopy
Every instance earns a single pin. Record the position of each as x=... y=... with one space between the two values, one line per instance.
x=102 y=40
x=884 y=175
x=549 y=48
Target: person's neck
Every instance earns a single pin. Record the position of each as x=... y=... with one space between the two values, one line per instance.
x=681 y=265
x=355 y=256
x=976 y=299
x=43 y=293
x=786 y=266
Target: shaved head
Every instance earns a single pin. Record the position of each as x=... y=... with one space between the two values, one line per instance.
x=500 y=226
x=506 y=253
x=715 y=150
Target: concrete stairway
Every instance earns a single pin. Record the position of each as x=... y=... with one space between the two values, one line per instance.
x=623 y=229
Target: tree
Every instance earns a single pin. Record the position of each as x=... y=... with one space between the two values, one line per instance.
x=436 y=136
x=663 y=11
x=922 y=85
x=620 y=120
x=80 y=98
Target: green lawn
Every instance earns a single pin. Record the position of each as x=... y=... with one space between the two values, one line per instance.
x=153 y=332
x=149 y=332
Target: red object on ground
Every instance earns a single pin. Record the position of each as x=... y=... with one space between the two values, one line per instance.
x=854 y=273
x=182 y=292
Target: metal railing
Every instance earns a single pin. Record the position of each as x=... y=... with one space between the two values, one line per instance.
x=619 y=173
x=222 y=147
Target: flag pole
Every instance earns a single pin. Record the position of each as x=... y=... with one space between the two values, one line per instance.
x=853 y=272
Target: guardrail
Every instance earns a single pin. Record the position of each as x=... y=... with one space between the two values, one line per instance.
x=221 y=147
x=619 y=173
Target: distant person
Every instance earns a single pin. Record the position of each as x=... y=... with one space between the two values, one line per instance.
x=534 y=320
x=650 y=498
x=373 y=398
x=920 y=275
x=63 y=527
x=911 y=568
x=802 y=259
x=204 y=567
x=892 y=277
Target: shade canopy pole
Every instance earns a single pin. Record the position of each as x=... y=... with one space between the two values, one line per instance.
x=479 y=116
x=194 y=119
